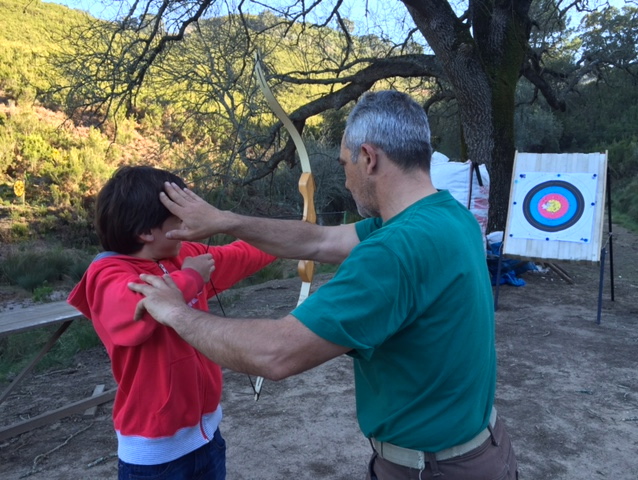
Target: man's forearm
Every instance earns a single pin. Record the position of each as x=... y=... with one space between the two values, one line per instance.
x=273 y=349
x=282 y=238
x=293 y=238
x=220 y=341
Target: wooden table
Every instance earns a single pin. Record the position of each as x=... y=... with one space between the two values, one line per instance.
x=23 y=319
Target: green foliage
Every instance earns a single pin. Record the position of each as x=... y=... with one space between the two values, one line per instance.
x=198 y=111
x=603 y=112
x=79 y=266
x=59 y=166
x=31 y=32
x=626 y=208
x=20 y=231
x=43 y=293
x=326 y=268
x=609 y=37
x=274 y=271
x=537 y=130
x=40 y=269
x=623 y=160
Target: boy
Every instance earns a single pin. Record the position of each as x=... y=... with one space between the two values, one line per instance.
x=166 y=412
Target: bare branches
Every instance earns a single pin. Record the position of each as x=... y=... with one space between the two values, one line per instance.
x=406 y=66
x=116 y=56
x=192 y=60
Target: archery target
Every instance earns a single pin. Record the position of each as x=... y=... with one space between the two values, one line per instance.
x=554 y=206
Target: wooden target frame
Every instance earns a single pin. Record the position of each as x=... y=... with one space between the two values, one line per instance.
x=557 y=206
x=556 y=211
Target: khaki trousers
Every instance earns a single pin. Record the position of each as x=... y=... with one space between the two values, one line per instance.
x=493 y=460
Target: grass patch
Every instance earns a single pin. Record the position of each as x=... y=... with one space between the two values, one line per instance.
x=325 y=268
x=274 y=271
x=16 y=351
x=34 y=270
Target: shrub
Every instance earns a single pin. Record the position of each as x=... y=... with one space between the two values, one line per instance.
x=33 y=269
x=20 y=231
x=43 y=293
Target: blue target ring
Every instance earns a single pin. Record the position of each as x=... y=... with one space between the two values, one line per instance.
x=553 y=206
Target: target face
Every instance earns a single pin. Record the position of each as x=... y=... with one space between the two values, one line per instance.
x=553 y=206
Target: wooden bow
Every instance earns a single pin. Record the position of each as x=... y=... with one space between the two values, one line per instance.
x=305 y=268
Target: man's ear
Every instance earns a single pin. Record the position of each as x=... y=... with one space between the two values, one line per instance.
x=369 y=155
x=146 y=237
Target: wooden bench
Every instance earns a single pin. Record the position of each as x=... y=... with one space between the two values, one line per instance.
x=23 y=319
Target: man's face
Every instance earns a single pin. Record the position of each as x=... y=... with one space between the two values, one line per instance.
x=358 y=182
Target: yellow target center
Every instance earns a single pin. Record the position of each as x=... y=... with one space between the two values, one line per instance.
x=552 y=206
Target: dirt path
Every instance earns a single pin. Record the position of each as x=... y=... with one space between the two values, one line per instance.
x=567 y=389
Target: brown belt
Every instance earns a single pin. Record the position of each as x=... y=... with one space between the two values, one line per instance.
x=416 y=459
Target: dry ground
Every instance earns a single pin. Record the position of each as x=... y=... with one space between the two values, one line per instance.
x=567 y=389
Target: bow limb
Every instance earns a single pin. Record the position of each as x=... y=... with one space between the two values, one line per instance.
x=306 y=181
x=305 y=268
x=281 y=115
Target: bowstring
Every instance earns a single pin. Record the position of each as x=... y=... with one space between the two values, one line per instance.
x=256 y=392
x=221 y=307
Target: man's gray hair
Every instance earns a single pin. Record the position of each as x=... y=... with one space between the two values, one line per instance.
x=394 y=123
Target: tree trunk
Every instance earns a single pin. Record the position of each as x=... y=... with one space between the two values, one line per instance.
x=483 y=70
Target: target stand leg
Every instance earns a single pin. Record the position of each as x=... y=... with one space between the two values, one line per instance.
x=498 y=275
x=603 y=252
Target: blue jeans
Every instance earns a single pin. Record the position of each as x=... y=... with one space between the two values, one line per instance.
x=206 y=463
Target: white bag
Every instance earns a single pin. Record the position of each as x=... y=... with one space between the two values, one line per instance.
x=463 y=184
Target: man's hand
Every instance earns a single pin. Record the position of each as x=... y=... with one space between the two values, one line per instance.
x=200 y=219
x=202 y=264
x=164 y=301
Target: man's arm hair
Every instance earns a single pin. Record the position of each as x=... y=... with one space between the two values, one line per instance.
x=296 y=239
x=281 y=238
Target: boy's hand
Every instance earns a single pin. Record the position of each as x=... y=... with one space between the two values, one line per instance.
x=200 y=220
x=202 y=264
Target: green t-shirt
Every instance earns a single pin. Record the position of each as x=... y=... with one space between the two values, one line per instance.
x=414 y=302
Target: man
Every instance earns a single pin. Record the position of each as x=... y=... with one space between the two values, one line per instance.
x=411 y=302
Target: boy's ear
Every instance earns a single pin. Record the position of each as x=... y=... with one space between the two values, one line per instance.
x=146 y=237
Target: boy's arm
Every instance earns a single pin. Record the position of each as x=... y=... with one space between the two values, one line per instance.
x=281 y=238
x=104 y=297
x=113 y=319
x=233 y=262
x=189 y=282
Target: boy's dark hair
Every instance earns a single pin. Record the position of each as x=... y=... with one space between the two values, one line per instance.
x=128 y=205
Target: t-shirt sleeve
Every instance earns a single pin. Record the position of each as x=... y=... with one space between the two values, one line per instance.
x=366 y=227
x=364 y=303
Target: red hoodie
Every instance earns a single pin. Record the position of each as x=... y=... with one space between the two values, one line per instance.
x=167 y=402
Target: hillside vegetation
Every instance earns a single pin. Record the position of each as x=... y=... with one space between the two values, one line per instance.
x=211 y=130
x=199 y=113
